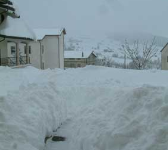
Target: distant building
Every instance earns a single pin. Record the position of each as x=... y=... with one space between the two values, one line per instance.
x=75 y=59
x=164 y=57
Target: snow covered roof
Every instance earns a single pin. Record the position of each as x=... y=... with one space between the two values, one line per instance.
x=16 y=28
x=77 y=54
x=41 y=33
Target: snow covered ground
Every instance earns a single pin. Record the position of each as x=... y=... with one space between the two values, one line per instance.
x=30 y=108
x=99 y=109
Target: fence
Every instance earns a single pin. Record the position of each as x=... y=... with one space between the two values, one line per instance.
x=11 y=61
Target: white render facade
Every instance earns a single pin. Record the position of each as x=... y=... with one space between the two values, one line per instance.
x=41 y=48
x=20 y=45
x=164 y=57
x=43 y=54
x=48 y=52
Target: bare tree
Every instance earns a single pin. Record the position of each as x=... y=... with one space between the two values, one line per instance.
x=140 y=54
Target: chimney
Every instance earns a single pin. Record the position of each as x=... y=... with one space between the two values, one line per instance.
x=82 y=54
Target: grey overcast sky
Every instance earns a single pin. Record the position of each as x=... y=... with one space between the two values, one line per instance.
x=87 y=17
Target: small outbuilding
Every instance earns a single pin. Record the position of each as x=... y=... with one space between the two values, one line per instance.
x=75 y=59
x=164 y=57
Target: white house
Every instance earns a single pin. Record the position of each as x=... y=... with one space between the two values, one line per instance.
x=48 y=49
x=19 y=45
x=14 y=32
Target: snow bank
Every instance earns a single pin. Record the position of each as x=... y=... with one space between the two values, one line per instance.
x=113 y=109
x=30 y=108
x=118 y=119
x=100 y=108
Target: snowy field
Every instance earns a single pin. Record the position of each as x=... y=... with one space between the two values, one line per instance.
x=95 y=108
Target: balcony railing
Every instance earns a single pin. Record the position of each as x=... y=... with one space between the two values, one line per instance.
x=11 y=61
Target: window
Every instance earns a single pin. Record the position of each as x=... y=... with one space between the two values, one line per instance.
x=13 y=50
x=167 y=58
x=25 y=49
x=29 y=49
x=72 y=65
x=42 y=49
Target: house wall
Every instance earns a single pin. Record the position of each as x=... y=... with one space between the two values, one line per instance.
x=53 y=56
x=91 y=60
x=80 y=62
x=50 y=57
x=35 y=55
x=75 y=62
x=21 y=49
x=61 y=50
x=164 y=58
x=3 y=49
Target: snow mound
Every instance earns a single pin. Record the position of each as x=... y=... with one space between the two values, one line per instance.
x=99 y=109
x=132 y=119
x=109 y=115
x=30 y=113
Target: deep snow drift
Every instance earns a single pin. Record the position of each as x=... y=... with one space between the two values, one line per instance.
x=30 y=108
x=99 y=108
x=113 y=109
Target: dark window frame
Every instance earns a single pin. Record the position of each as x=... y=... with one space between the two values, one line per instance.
x=42 y=47
x=13 y=49
x=25 y=49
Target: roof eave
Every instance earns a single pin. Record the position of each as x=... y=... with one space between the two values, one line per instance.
x=15 y=37
x=164 y=47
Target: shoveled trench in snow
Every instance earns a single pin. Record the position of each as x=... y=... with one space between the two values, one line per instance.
x=108 y=111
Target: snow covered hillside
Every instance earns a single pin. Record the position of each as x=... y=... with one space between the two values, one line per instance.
x=109 y=48
x=95 y=108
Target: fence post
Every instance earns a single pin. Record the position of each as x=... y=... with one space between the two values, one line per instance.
x=17 y=54
x=27 y=54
